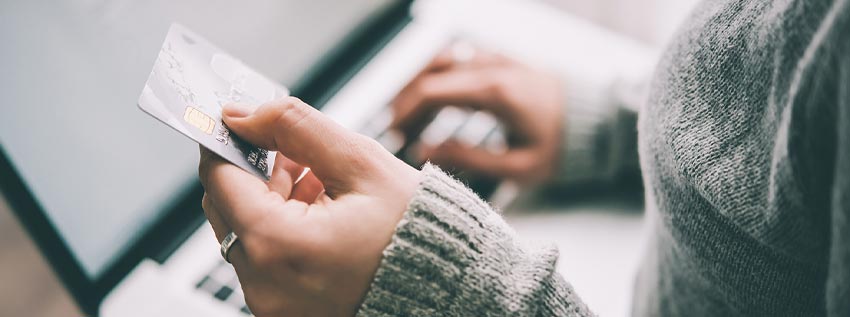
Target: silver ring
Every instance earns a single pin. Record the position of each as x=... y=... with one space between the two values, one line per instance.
x=227 y=244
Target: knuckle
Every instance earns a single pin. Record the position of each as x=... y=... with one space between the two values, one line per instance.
x=290 y=111
x=266 y=249
x=368 y=145
x=527 y=168
x=207 y=165
x=425 y=87
x=527 y=164
x=498 y=84
x=409 y=99
x=311 y=245
x=364 y=152
x=203 y=163
x=204 y=167
x=206 y=204
x=514 y=165
x=416 y=85
x=290 y=104
x=259 y=252
x=427 y=90
x=281 y=106
x=417 y=97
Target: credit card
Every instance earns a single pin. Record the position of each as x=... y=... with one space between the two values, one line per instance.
x=191 y=81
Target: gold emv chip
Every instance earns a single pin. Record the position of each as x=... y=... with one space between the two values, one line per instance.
x=199 y=120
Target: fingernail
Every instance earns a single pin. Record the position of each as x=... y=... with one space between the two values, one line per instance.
x=237 y=110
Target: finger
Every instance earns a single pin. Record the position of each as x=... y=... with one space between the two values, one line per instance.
x=338 y=157
x=220 y=228
x=441 y=61
x=284 y=175
x=238 y=195
x=513 y=164
x=308 y=188
x=477 y=88
x=457 y=56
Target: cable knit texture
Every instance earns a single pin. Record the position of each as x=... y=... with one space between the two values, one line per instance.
x=452 y=255
x=745 y=154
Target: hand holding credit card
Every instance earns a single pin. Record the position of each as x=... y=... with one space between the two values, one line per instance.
x=191 y=81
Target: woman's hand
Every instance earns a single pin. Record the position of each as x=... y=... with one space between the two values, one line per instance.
x=527 y=101
x=308 y=248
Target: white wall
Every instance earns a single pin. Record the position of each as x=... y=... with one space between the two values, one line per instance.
x=651 y=21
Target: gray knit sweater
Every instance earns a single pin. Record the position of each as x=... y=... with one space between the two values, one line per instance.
x=745 y=153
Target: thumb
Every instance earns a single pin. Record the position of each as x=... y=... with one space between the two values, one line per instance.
x=337 y=156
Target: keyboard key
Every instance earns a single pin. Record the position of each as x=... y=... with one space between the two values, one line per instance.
x=222 y=283
x=476 y=130
x=392 y=140
x=448 y=121
x=223 y=293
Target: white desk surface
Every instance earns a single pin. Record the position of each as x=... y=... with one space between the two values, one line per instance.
x=600 y=242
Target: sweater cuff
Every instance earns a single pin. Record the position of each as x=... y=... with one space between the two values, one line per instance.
x=586 y=112
x=433 y=244
x=453 y=255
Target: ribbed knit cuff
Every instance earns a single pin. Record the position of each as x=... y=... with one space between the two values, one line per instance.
x=452 y=255
x=586 y=111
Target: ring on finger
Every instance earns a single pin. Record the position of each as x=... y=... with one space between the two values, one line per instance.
x=227 y=244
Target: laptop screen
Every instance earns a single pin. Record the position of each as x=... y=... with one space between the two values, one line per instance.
x=102 y=170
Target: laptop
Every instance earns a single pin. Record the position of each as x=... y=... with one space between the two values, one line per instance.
x=149 y=251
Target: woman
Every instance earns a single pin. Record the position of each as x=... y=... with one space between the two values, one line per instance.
x=744 y=152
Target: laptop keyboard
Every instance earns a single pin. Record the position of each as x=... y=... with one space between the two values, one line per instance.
x=472 y=128
x=221 y=283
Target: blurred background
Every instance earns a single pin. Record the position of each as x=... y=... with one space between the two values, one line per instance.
x=87 y=60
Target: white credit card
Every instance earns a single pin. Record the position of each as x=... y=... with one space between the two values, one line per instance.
x=191 y=81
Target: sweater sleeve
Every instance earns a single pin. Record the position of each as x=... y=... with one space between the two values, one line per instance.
x=600 y=131
x=838 y=282
x=452 y=255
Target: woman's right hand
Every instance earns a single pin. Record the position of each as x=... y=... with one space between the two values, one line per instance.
x=308 y=247
x=528 y=102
